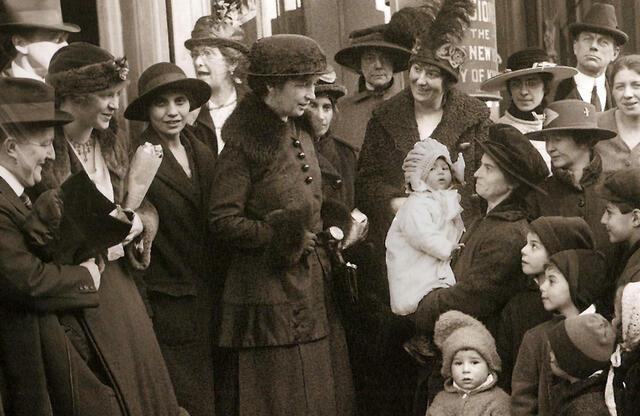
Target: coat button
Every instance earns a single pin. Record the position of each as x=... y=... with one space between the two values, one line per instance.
x=296 y=143
x=581 y=203
x=309 y=179
x=301 y=155
x=305 y=167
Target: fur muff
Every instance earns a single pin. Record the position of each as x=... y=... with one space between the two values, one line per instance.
x=287 y=243
x=335 y=213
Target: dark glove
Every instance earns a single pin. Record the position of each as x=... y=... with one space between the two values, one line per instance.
x=42 y=225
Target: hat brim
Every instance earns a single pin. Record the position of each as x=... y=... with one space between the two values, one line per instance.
x=230 y=43
x=508 y=167
x=620 y=37
x=63 y=27
x=499 y=81
x=447 y=70
x=32 y=119
x=597 y=133
x=349 y=57
x=292 y=74
x=336 y=91
x=196 y=90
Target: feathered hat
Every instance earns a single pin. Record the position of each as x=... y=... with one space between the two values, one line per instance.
x=433 y=32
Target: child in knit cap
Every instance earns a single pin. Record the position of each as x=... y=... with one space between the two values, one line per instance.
x=424 y=234
x=571 y=282
x=580 y=348
x=622 y=393
x=470 y=364
x=546 y=236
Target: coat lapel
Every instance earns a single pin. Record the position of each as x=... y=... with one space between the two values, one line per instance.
x=171 y=173
x=7 y=192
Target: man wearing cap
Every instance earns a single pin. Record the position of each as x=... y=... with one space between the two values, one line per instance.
x=596 y=43
x=219 y=54
x=33 y=31
x=375 y=59
x=570 y=133
x=43 y=376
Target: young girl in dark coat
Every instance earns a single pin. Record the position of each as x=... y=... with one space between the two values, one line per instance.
x=177 y=284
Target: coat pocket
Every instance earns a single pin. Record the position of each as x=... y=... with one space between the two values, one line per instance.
x=176 y=319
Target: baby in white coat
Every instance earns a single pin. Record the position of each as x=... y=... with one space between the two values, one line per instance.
x=424 y=234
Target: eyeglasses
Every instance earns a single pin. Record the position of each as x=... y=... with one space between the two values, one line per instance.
x=527 y=83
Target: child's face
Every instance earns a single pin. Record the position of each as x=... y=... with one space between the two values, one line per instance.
x=439 y=176
x=534 y=255
x=554 y=289
x=469 y=369
x=618 y=225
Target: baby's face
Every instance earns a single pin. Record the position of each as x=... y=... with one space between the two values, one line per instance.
x=439 y=176
x=469 y=369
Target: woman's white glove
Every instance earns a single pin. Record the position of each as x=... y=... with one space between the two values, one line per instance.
x=136 y=229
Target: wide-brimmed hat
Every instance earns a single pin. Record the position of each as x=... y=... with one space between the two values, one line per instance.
x=601 y=18
x=287 y=55
x=530 y=61
x=210 y=31
x=571 y=116
x=30 y=102
x=36 y=14
x=515 y=155
x=372 y=38
x=162 y=77
x=327 y=85
x=81 y=68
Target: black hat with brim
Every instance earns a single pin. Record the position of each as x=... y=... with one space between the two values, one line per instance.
x=372 y=38
x=29 y=102
x=571 y=116
x=515 y=155
x=160 y=78
x=32 y=14
x=287 y=55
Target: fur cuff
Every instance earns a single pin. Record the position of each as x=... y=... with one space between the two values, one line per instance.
x=149 y=216
x=287 y=243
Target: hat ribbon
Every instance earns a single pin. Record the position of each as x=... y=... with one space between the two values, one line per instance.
x=542 y=65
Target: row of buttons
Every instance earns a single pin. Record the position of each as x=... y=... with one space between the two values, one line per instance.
x=302 y=156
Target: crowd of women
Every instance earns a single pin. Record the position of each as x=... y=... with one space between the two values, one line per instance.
x=263 y=272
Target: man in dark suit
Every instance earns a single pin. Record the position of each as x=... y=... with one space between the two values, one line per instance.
x=596 y=43
x=39 y=371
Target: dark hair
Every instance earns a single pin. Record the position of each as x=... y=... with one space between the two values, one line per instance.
x=631 y=62
x=625 y=207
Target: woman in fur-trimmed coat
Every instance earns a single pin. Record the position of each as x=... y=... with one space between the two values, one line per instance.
x=278 y=316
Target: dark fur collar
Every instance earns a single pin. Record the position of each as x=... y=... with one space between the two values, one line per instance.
x=460 y=113
x=114 y=150
x=257 y=130
x=591 y=174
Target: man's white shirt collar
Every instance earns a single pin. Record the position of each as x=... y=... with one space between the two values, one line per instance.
x=11 y=179
x=585 y=84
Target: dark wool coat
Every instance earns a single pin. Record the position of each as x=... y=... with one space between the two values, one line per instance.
x=277 y=311
x=264 y=168
x=177 y=283
x=582 y=398
x=41 y=375
x=532 y=378
x=355 y=112
x=116 y=339
x=567 y=90
x=488 y=270
x=630 y=270
x=626 y=383
x=565 y=199
x=337 y=160
x=203 y=126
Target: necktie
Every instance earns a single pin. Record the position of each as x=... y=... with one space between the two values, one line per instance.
x=595 y=99
x=26 y=200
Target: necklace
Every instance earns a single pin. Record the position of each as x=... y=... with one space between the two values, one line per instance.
x=83 y=149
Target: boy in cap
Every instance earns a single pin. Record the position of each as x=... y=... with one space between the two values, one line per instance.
x=596 y=43
x=32 y=31
x=621 y=217
x=42 y=374
x=470 y=364
x=580 y=348
x=571 y=282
